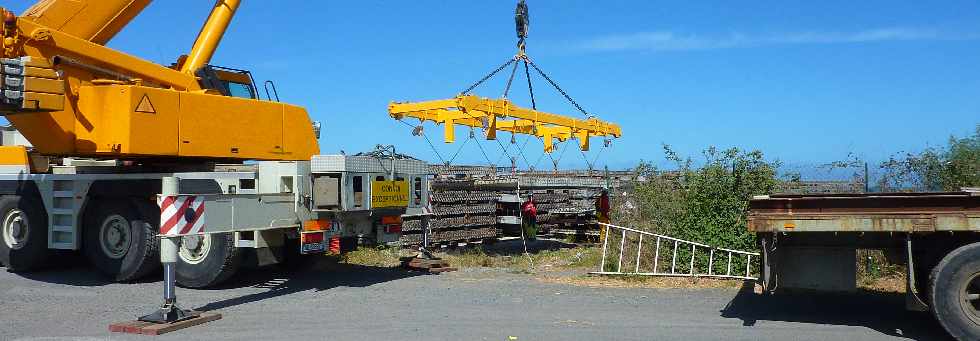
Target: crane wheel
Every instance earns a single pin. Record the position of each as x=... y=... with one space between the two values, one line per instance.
x=954 y=292
x=23 y=233
x=207 y=260
x=120 y=241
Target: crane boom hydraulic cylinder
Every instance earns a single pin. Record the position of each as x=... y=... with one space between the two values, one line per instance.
x=207 y=41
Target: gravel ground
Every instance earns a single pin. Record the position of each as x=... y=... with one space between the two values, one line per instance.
x=346 y=302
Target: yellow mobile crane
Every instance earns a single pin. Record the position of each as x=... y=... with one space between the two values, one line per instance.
x=70 y=95
x=109 y=132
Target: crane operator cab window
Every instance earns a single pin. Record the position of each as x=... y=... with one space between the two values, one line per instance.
x=228 y=81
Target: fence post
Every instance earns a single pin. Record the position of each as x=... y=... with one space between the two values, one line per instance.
x=622 y=243
x=673 y=260
x=639 y=251
x=656 y=256
x=692 y=258
x=711 y=261
x=729 y=271
x=602 y=264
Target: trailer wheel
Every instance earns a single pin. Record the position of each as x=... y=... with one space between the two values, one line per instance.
x=207 y=260
x=23 y=233
x=119 y=241
x=954 y=290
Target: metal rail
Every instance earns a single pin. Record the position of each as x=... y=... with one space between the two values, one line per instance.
x=671 y=245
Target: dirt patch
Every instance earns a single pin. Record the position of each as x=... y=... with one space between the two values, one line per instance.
x=542 y=256
x=596 y=281
x=890 y=284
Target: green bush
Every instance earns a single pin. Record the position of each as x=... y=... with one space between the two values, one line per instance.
x=949 y=168
x=704 y=201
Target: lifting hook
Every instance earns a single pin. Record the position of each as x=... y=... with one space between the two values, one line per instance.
x=522 y=20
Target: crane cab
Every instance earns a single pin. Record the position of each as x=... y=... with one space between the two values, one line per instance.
x=228 y=81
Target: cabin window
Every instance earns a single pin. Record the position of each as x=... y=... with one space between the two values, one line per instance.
x=358 y=184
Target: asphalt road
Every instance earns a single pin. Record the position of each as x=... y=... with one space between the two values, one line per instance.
x=341 y=302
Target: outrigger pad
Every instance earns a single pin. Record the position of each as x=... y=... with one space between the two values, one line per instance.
x=151 y=328
x=431 y=265
x=169 y=313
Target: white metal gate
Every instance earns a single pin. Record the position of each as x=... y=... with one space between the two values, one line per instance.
x=686 y=258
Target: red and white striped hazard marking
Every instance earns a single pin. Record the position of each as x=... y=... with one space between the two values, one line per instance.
x=181 y=215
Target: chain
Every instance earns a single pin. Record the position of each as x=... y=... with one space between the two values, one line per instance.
x=530 y=88
x=488 y=76
x=510 y=80
x=563 y=93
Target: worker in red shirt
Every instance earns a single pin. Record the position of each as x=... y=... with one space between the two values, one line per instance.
x=529 y=213
x=602 y=207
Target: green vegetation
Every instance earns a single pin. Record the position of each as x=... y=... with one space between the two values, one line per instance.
x=948 y=168
x=707 y=202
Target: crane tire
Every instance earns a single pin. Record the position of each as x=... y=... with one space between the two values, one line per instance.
x=207 y=261
x=119 y=241
x=951 y=284
x=23 y=233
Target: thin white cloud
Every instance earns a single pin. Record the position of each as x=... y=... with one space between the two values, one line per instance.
x=670 y=41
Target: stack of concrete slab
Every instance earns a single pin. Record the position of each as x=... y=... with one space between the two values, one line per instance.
x=460 y=213
x=472 y=203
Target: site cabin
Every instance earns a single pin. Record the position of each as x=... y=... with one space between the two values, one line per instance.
x=258 y=213
x=809 y=242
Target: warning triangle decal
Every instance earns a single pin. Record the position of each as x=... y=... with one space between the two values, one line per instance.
x=145 y=106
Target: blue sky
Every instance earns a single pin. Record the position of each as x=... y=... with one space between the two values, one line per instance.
x=806 y=82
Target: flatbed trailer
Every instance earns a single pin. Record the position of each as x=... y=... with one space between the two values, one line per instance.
x=810 y=242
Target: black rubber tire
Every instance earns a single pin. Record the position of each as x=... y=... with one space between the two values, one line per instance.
x=35 y=252
x=221 y=263
x=945 y=282
x=143 y=255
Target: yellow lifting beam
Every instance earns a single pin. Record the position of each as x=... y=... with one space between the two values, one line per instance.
x=503 y=115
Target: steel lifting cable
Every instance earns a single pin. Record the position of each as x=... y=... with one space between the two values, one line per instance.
x=421 y=132
x=503 y=149
x=547 y=153
x=520 y=150
x=562 y=154
x=457 y=152
x=481 y=149
x=585 y=157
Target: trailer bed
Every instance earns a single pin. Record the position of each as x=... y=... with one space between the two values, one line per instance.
x=868 y=212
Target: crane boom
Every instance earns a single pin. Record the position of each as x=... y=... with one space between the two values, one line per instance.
x=70 y=95
x=96 y=24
